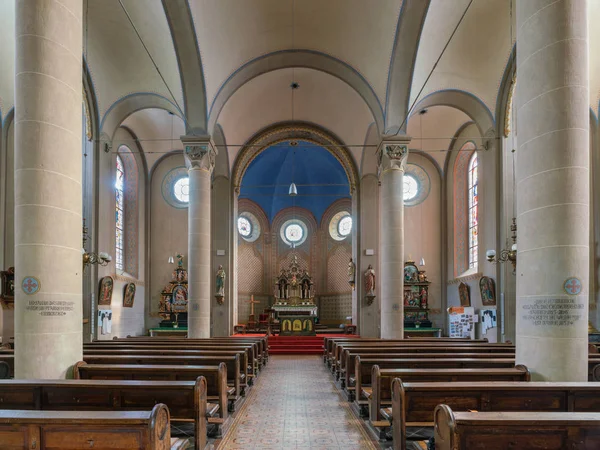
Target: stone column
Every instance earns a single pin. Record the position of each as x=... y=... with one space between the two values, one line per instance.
x=48 y=199
x=553 y=189
x=200 y=161
x=392 y=163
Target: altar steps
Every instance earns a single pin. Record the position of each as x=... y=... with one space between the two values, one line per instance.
x=295 y=345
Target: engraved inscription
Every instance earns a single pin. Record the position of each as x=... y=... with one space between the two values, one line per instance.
x=553 y=311
x=50 y=307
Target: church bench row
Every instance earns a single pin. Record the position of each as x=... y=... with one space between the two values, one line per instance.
x=252 y=354
x=365 y=370
x=216 y=381
x=348 y=360
x=175 y=356
x=413 y=404
x=515 y=430
x=340 y=364
x=262 y=343
x=330 y=343
x=186 y=400
x=338 y=348
x=71 y=430
x=234 y=376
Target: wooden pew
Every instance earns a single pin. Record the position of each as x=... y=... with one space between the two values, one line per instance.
x=215 y=376
x=364 y=368
x=261 y=343
x=245 y=366
x=70 y=430
x=234 y=375
x=250 y=350
x=347 y=365
x=186 y=400
x=515 y=430
x=415 y=402
x=405 y=344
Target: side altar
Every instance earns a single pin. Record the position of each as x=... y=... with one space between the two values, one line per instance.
x=295 y=301
x=174 y=299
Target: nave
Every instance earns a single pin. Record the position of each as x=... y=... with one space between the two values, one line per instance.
x=295 y=404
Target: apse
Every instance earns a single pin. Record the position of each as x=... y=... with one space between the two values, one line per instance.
x=318 y=175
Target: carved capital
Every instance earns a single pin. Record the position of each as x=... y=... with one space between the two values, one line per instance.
x=199 y=153
x=393 y=155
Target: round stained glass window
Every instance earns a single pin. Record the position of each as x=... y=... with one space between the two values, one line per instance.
x=411 y=187
x=181 y=189
x=244 y=227
x=294 y=233
x=345 y=226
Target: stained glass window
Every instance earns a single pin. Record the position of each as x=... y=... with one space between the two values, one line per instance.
x=119 y=214
x=473 y=212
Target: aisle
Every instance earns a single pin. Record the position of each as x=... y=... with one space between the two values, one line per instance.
x=295 y=405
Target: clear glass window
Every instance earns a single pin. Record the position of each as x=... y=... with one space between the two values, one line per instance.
x=244 y=227
x=181 y=189
x=411 y=187
x=294 y=233
x=345 y=226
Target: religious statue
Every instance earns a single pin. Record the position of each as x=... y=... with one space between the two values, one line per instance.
x=351 y=273
x=423 y=298
x=220 y=285
x=370 y=284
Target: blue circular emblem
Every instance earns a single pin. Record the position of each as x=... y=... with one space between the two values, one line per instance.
x=30 y=285
x=573 y=286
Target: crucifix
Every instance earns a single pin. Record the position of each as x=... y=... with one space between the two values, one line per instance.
x=251 y=321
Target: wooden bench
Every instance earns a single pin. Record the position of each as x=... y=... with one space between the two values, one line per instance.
x=515 y=430
x=215 y=376
x=71 y=430
x=262 y=343
x=364 y=368
x=186 y=400
x=251 y=352
x=383 y=379
x=248 y=372
x=234 y=375
x=413 y=404
x=346 y=371
x=456 y=347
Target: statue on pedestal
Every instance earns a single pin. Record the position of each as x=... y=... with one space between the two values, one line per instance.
x=351 y=273
x=370 y=284
x=220 y=285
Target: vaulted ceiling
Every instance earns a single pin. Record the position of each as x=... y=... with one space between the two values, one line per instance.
x=229 y=62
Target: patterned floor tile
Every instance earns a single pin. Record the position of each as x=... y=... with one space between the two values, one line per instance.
x=294 y=405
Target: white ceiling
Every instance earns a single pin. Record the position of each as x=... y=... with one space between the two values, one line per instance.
x=233 y=32
x=321 y=99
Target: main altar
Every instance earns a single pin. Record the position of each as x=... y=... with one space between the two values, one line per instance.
x=295 y=301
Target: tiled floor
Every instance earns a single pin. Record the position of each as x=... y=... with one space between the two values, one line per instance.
x=294 y=405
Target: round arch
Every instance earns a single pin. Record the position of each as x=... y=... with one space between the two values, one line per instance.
x=284 y=59
x=300 y=131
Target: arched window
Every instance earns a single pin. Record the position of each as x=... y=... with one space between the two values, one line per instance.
x=119 y=213
x=473 y=211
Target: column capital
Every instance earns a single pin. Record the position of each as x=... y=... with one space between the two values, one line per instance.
x=199 y=152
x=392 y=153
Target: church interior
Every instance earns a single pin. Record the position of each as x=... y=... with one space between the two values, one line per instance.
x=311 y=224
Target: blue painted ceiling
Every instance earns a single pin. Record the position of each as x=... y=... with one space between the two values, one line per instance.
x=320 y=178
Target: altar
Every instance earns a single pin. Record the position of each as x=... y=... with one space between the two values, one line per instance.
x=294 y=301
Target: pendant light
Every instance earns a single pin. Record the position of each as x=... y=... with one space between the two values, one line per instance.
x=293 y=191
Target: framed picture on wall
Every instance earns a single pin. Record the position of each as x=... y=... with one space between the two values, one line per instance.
x=128 y=295
x=488 y=291
x=106 y=290
x=463 y=294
